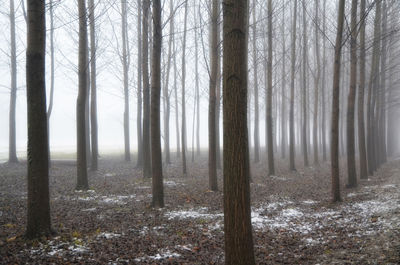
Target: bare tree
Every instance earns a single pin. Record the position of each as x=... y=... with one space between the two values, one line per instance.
x=316 y=84
x=82 y=180
x=139 y=162
x=38 y=217
x=292 y=165
x=51 y=99
x=125 y=65
x=255 y=80
x=304 y=89
x=351 y=159
x=335 y=106
x=156 y=157
x=237 y=216
x=12 y=151
x=271 y=165
x=183 y=135
x=283 y=92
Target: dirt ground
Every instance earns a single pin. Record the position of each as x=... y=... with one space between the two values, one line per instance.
x=112 y=223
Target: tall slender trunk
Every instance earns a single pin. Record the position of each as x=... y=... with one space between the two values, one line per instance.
x=239 y=248
x=38 y=215
x=12 y=148
x=304 y=89
x=323 y=87
x=382 y=153
x=372 y=87
x=166 y=94
x=255 y=80
x=178 y=138
x=292 y=165
x=212 y=148
x=361 y=89
x=351 y=155
x=183 y=135
x=283 y=92
x=82 y=179
x=196 y=51
x=51 y=99
x=125 y=67
x=87 y=105
x=316 y=85
x=146 y=91
x=156 y=157
x=93 y=105
x=139 y=162
x=335 y=106
x=271 y=165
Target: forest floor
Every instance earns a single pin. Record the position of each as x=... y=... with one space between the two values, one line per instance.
x=112 y=223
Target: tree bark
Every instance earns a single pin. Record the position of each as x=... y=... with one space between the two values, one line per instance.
x=183 y=134
x=271 y=165
x=156 y=157
x=82 y=181
x=351 y=154
x=12 y=151
x=38 y=217
x=335 y=106
x=237 y=213
x=212 y=144
x=93 y=105
x=292 y=165
x=146 y=92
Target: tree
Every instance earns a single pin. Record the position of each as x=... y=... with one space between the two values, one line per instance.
x=323 y=87
x=255 y=80
x=212 y=130
x=93 y=100
x=139 y=162
x=51 y=100
x=316 y=85
x=156 y=156
x=237 y=216
x=335 y=106
x=125 y=65
x=82 y=180
x=12 y=151
x=146 y=91
x=304 y=89
x=292 y=165
x=183 y=135
x=351 y=159
x=38 y=217
x=361 y=88
x=283 y=92
x=271 y=165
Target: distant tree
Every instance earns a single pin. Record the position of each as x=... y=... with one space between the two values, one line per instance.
x=82 y=180
x=52 y=62
x=351 y=159
x=283 y=92
x=292 y=165
x=139 y=162
x=305 y=88
x=12 y=151
x=335 y=106
x=237 y=212
x=323 y=85
x=271 y=165
x=317 y=77
x=212 y=144
x=156 y=156
x=255 y=80
x=125 y=65
x=38 y=217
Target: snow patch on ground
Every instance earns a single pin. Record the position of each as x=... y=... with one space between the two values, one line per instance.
x=163 y=254
x=58 y=248
x=193 y=213
x=171 y=183
x=279 y=178
x=108 y=235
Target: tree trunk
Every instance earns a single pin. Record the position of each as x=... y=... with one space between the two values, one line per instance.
x=184 y=168
x=283 y=111
x=38 y=217
x=212 y=144
x=178 y=138
x=304 y=90
x=156 y=157
x=51 y=100
x=196 y=45
x=146 y=92
x=351 y=155
x=271 y=165
x=256 y=107
x=93 y=105
x=316 y=85
x=323 y=88
x=139 y=162
x=335 y=106
x=12 y=151
x=125 y=67
x=237 y=213
x=292 y=165
x=82 y=181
